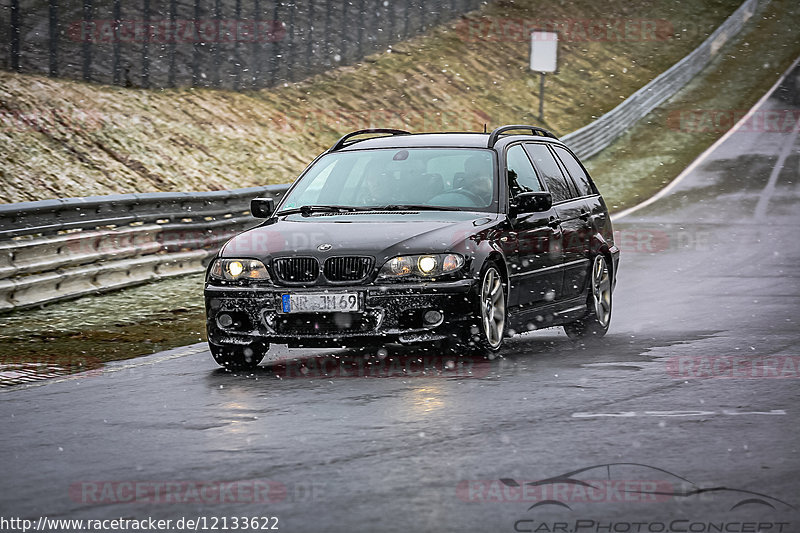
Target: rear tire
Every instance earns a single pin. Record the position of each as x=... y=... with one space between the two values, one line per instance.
x=238 y=357
x=595 y=323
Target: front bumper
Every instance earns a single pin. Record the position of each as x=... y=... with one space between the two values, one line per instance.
x=391 y=313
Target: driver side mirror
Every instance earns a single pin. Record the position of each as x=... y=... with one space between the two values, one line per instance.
x=532 y=202
x=262 y=207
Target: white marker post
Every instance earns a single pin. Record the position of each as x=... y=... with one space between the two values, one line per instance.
x=544 y=59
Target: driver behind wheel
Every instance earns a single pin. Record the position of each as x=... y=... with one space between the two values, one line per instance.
x=477 y=178
x=374 y=186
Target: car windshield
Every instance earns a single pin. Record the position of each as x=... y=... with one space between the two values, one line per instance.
x=433 y=178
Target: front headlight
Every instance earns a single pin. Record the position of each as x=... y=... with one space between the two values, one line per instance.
x=238 y=269
x=426 y=266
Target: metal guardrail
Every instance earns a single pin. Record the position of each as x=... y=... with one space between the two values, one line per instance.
x=592 y=138
x=56 y=249
x=51 y=216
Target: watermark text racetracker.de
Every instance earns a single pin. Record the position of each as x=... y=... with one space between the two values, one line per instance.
x=49 y=119
x=431 y=365
x=734 y=367
x=722 y=120
x=165 y=31
x=495 y=29
x=642 y=239
x=194 y=523
x=340 y=120
x=211 y=492
x=588 y=491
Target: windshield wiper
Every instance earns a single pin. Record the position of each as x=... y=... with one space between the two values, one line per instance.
x=306 y=210
x=416 y=207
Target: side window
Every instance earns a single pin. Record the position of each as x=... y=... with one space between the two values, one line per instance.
x=521 y=175
x=550 y=171
x=576 y=171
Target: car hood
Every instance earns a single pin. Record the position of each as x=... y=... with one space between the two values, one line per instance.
x=379 y=235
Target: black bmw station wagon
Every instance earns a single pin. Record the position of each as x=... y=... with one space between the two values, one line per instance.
x=390 y=237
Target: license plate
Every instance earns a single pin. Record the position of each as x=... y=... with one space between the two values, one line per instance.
x=320 y=303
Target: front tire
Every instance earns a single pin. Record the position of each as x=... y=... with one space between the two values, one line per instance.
x=491 y=311
x=595 y=323
x=238 y=357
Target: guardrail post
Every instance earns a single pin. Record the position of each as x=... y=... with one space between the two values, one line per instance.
x=15 y=30
x=87 y=35
x=53 y=38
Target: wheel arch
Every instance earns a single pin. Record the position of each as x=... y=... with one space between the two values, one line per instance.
x=489 y=254
x=599 y=245
x=498 y=259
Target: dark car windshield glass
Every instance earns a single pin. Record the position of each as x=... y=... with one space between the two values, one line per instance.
x=426 y=177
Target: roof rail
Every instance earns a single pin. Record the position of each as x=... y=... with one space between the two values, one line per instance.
x=341 y=143
x=535 y=130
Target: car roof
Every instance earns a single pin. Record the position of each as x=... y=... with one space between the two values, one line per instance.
x=436 y=140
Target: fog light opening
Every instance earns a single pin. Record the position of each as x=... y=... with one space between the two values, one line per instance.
x=433 y=318
x=269 y=318
x=224 y=320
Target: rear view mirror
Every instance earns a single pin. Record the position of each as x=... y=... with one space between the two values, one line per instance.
x=262 y=207
x=533 y=202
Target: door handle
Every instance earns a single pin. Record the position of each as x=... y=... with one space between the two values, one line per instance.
x=554 y=222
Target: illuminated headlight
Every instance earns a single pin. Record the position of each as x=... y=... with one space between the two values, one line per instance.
x=428 y=265
x=237 y=269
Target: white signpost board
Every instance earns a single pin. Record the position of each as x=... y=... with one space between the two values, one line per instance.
x=544 y=59
x=544 y=51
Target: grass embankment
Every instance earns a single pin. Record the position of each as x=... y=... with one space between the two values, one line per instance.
x=94 y=139
x=76 y=336
x=657 y=149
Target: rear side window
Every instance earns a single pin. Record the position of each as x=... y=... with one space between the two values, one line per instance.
x=550 y=171
x=576 y=171
x=521 y=176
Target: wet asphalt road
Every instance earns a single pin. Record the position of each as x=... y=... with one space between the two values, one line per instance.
x=710 y=273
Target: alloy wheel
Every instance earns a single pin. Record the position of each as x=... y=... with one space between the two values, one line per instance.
x=601 y=290
x=493 y=307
